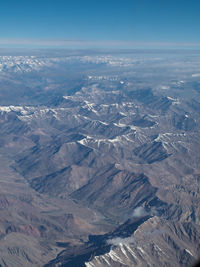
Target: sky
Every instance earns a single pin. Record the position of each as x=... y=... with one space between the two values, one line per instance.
x=93 y=23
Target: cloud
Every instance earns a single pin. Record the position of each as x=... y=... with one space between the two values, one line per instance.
x=139 y=212
x=93 y=43
x=118 y=240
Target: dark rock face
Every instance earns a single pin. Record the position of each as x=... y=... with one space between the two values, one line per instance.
x=183 y=122
x=151 y=152
x=116 y=190
x=53 y=182
x=139 y=121
x=52 y=157
x=11 y=124
x=146 y=97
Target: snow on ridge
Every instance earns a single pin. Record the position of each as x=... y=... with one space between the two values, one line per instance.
x=5 y=109
x=67 y=97
x=22 y=109
x=90 y=106
x=171 y=98
x=189 y=252
x=25 y=113
x=93 y=140
x=121 y=125
x=24 y=63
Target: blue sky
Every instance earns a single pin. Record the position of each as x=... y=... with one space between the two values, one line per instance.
x=122 y=23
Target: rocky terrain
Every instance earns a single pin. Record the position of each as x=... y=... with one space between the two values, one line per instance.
x=100 y=158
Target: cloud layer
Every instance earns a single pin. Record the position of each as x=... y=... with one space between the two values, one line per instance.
x=93 y=43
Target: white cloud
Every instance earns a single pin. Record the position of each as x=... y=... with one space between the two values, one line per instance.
x=118 y=240
x=139 y=212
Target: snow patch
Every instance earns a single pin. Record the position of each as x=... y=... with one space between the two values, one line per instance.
x=140 y=249
x=196 y=75
x=164 y=87
x=189 y=252
x=171 y=98
x=115 y=257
